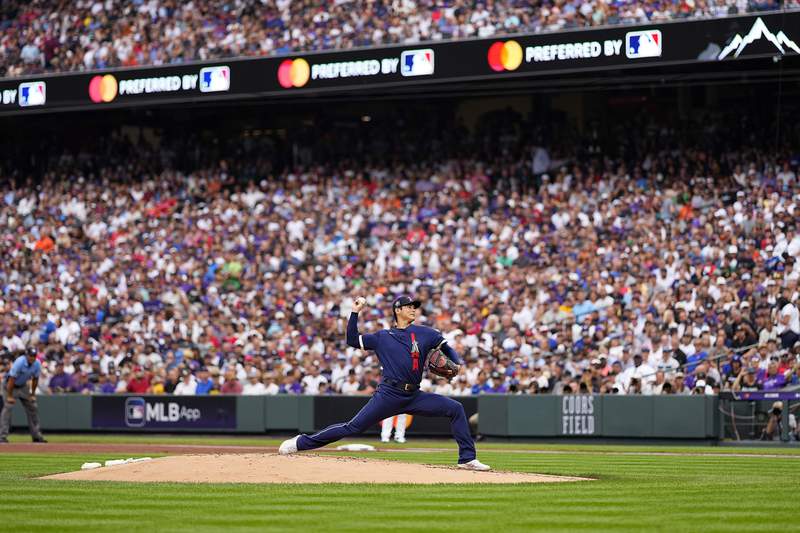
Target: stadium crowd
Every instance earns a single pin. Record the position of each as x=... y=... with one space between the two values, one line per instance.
x=130 y=269
x=48 y=35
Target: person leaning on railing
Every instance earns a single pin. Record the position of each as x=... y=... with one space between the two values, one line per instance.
x=747 y=380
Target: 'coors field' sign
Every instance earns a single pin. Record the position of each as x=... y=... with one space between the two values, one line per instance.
x=578 y=414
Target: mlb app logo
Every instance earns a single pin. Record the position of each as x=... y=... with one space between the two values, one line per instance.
x=134 y=412
x=645 y=43
x=416 y=62
x=32 y=93
x=215 y=79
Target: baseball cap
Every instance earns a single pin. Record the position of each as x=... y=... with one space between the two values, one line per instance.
x=700 y=384
x=404 y=300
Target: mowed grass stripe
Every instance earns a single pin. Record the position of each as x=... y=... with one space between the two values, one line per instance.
x=562 y=518
x=652 y=493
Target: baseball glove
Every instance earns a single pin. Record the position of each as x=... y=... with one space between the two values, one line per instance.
x=440 y=365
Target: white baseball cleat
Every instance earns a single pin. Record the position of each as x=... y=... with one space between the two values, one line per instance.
x=475 y=465
x=385 y=440
x=289 y=446
x=400 y=440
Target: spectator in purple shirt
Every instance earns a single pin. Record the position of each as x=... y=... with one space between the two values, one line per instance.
x=82 y=384
x=107 y=385
x=498 y=385
x=294 y=387
x=774 y=379
x=61 y=381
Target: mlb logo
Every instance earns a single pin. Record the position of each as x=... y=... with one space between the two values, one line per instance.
x=134 y=412
x=416 y=62
x=646 y=43
x=32 y=93
x=215 y=79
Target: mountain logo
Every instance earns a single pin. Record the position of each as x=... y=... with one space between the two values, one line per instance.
x=757 y=31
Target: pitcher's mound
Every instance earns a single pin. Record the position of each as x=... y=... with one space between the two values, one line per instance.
x=273 y=468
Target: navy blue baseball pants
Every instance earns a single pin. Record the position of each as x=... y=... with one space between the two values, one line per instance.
x=388 y=401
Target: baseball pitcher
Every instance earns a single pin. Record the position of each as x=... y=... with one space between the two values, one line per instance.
x=402 y=352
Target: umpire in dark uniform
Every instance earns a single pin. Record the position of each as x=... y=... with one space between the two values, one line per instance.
x=20 y=384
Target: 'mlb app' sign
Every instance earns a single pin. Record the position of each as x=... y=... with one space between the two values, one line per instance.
x=163 y=412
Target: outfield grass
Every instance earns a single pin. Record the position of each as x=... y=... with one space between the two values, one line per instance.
x=633 y=492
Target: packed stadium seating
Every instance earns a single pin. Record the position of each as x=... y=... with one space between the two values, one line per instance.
x=140 y=267
x=47 y=35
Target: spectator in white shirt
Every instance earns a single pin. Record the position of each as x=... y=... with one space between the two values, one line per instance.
x=679 y=387
x=702 y=388
x=667 y=364
x=187 y=386
x=460 y=387
x=658 y=385
x=641 y=370
x=339 y=372
x=789 y=324
x=271 y=388
x=254 y=387
x=443 y=387
x=352 y=385
x=312 y=381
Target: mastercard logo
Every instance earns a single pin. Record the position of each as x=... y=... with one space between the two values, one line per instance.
x=505 y=56
x=293 y=73
x=103 y=88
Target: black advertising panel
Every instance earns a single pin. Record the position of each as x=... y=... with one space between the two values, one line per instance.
x=622 y=47
x=144 y=413
x=336 y=409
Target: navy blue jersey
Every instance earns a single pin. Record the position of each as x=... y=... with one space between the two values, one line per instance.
x=402 y=352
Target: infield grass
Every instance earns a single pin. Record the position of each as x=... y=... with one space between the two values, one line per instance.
x=632 y=492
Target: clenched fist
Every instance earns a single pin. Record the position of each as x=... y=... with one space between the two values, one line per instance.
x=359 y=304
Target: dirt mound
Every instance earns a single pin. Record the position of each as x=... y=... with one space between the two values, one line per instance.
x=273 y=468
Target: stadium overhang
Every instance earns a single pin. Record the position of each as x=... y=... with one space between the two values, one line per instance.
x=716 y=49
